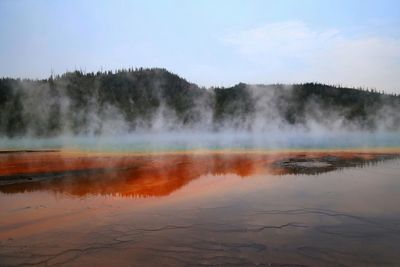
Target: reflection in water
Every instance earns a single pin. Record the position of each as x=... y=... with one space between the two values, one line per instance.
x=156 y=175
x=209 y=215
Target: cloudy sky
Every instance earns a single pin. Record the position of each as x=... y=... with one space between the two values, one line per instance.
x=215 y=42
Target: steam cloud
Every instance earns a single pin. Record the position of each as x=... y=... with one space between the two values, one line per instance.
x=152 y=108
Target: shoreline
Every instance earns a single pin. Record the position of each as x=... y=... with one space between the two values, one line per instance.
x=82 y=152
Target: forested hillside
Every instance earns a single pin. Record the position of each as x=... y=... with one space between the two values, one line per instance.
x=157 y=100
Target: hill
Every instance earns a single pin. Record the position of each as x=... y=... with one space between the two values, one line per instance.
x=157 y=100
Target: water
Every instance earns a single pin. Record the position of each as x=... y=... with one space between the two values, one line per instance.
x=305 y=208
x=183 y=141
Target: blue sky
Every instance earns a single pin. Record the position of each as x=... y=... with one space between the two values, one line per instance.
x=354 y=43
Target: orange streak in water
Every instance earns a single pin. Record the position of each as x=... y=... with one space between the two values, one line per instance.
x=138 y=175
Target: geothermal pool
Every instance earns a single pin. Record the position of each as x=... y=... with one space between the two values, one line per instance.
x=298 y=208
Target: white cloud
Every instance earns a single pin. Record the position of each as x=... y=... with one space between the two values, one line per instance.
x=293 y=52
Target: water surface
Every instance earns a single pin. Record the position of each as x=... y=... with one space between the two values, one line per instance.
x=288 y=208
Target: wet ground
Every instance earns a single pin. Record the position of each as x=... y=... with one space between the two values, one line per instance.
x=302 y=208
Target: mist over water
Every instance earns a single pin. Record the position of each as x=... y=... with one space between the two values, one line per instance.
x=153 y=109
x=134 y=105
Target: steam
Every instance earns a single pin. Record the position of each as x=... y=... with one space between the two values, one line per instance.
x=258 y=118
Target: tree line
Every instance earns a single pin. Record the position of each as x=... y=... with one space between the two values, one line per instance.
x=81 y=102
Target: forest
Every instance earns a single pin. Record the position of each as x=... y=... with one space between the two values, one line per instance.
x=155 y=99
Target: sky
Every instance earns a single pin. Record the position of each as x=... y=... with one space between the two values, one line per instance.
x=209 y=42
